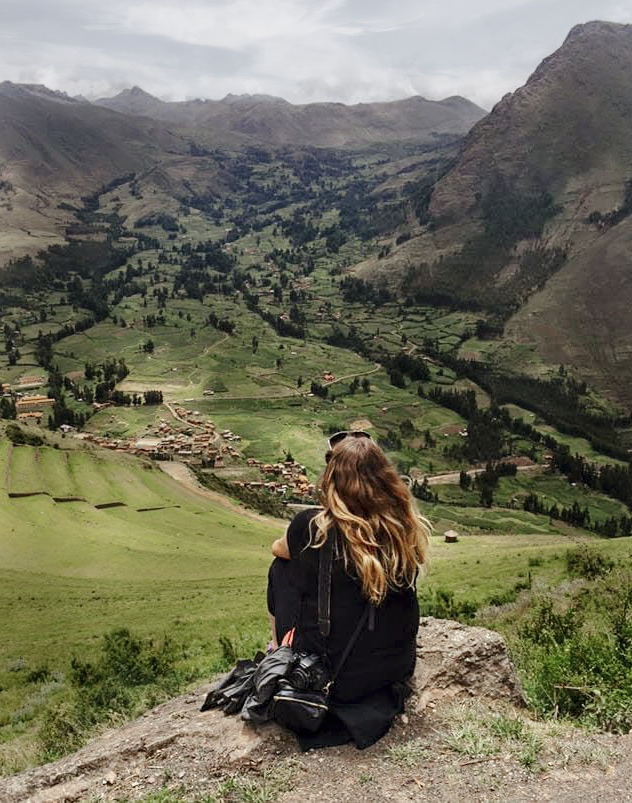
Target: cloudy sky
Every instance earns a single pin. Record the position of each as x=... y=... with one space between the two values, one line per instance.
x=302 y=50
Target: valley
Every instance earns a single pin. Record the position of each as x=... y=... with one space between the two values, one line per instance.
x=202 y=309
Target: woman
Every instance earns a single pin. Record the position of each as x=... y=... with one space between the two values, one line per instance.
x=380 y=545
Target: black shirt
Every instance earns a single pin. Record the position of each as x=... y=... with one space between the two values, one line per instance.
x=380 y=657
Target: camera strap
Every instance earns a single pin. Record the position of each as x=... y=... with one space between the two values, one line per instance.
x=324 y=604
x=324 y=585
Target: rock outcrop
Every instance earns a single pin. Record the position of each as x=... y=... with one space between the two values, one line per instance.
x=178 y=741
x=454 y=659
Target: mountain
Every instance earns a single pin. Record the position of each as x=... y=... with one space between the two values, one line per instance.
x=274 y=122
x=54 y=149
x=569 y=123
x=532 y=221
x=47 y=137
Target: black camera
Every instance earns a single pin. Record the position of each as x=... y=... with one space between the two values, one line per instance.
x=309 y=672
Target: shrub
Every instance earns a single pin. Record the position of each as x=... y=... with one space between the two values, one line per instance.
x=578 y=662
x=62 y=731
x=19 y=436
x=550 y=628
x=126 y=659
x=588 y=562
x=443 y=605
x=128 y=670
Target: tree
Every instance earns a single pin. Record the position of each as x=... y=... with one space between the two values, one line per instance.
x=487 y=496
x=7 y=408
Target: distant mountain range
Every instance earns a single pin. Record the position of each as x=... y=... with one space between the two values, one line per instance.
x=54 y=148
x=274 y=122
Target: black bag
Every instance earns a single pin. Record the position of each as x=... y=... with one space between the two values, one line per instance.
x=265 y=681
x=300 y=710
x=231 y=692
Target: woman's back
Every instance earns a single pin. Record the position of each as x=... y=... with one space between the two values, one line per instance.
x=385 y=649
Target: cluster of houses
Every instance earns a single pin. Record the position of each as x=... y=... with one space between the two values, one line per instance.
x=29 y=407
x=282 y=478
x=190 y=438
x=193 y=439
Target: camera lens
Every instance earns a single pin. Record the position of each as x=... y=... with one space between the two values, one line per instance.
x=299 y=678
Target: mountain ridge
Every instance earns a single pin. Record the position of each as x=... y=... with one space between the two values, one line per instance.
x=558 y=149
x=546 y=170
x=279 y=122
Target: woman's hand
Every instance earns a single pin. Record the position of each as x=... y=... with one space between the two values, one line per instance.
x=280 y=548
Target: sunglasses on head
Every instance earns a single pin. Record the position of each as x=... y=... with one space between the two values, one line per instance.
x=337 y=437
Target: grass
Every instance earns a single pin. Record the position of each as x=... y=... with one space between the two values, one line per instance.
x=71 y=572
x=474 y=730
x=481 y=566
x=260 y=787
x=408 y=754
x=551 y=489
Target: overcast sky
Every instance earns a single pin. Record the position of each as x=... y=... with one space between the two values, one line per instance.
x=302 y=50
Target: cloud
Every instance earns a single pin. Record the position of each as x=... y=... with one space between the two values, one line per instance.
x=237 y=24
x=342 y=50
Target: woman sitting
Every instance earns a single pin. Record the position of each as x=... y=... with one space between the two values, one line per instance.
x=379 y=545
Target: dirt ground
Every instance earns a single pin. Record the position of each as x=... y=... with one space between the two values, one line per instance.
x=177 y=753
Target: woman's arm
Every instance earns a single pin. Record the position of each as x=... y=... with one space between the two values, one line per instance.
x=280 y=548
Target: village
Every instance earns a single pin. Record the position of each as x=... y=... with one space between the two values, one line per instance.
x=29 y=407
x=194 y=440
x=189 y=438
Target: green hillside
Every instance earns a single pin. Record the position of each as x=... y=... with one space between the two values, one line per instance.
x=163 y=560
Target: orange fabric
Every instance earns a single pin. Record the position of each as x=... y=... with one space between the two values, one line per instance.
x=288 y=638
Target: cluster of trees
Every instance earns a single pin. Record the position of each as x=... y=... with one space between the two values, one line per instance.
x=613 y=480
x=110 y=368
x=44 y=343
x=404 y=364
x=359 y=291
x=466 y=279
x=299 y=229
x=487 y=481
x=509 y=217
x=7 y=407
x=574 y=515
x=318 y=389
x=616 y=215
x=485 y=439
x=284 y=325
x=610 y=527
x=221 y=324
x=121 y=399
x=560 y=401
x=421 y=490
x=162 y=219
x=152 y=320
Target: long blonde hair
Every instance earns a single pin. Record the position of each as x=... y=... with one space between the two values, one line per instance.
x=383 y=536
